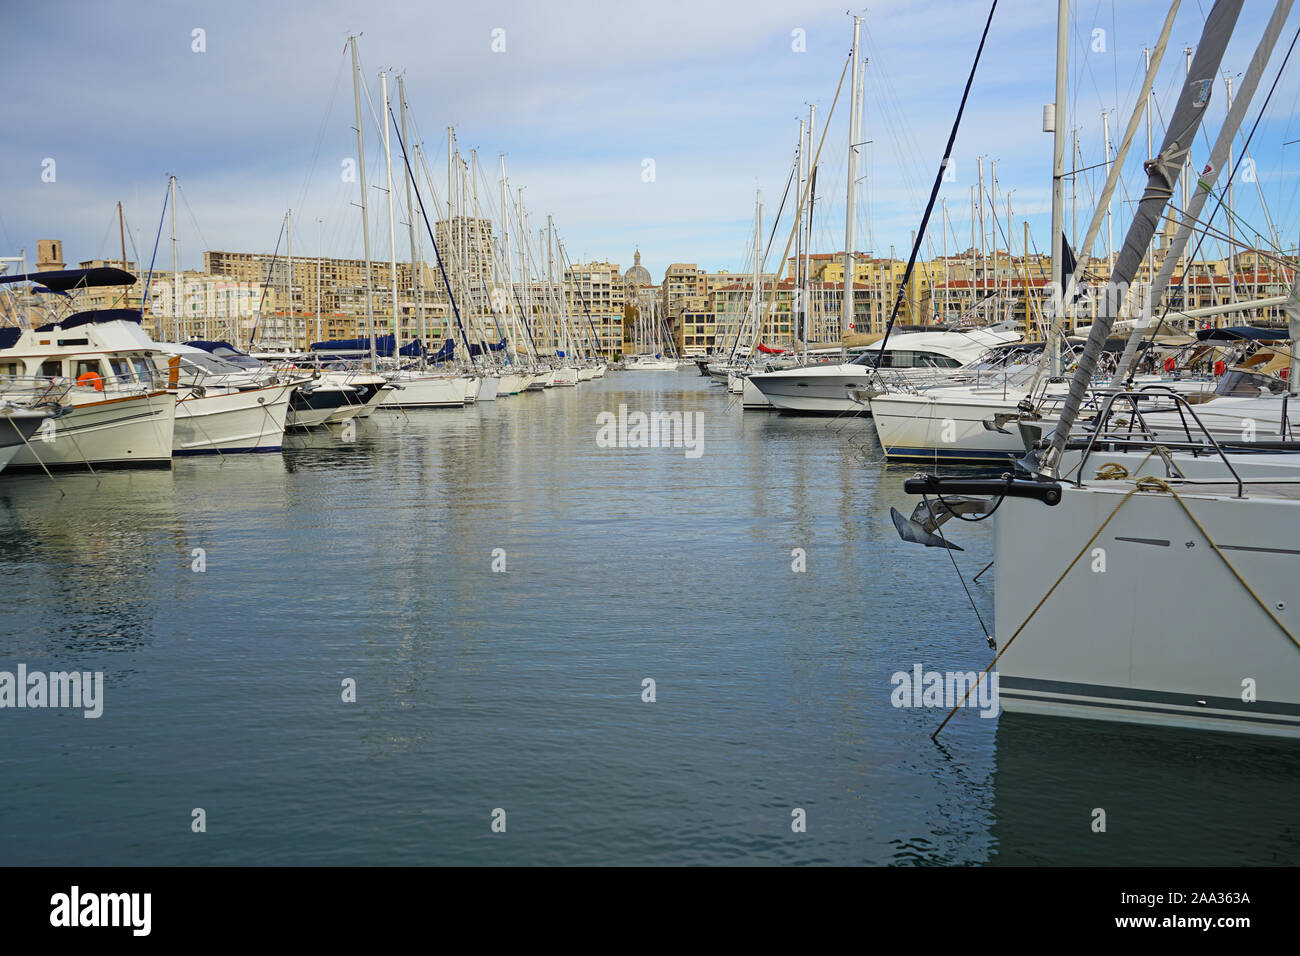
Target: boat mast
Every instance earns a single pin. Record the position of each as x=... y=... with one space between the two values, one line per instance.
x=176 y=274
x=365 y=218
x=807 y=246
x=1058 y=181
x=392 y=218
x=846 y=306
x=416 y=267
x=511 y=353
x=1191 y=215
x=121 y=231
x=1162 y=177
x=758 y=274
x=796 y=313
x=288 y=281
x=319 y=251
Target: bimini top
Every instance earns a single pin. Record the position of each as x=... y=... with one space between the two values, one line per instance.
x=211 y=346
x=93 y=317
x=1243 y=332
x=65 y=279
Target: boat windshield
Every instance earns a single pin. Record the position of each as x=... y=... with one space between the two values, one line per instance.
x=237 y=358
x=1244 y=384
x=906 y=358
x=203 y=362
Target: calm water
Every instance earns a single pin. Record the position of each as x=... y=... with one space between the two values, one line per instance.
x=522 y=690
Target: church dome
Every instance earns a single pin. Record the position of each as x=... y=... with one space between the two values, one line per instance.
x=637 y=275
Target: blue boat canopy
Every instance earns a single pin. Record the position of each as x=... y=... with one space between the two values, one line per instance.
x=1242 y=332
x=383 y=346
x=211 y=346
x=93 y=317
x=63 y=280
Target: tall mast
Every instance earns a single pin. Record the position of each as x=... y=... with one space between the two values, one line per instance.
x=846 y=306
x=416 y=284
x=1075 y=163
x=993 y=215
x=979 y=208
x=319 y=250
x=288 y=282
x=807 y=246
x=392 y=218
x=1110 y=235
x=1151 y=257
x=944 y=230
x=758 y=272
x=796 y=314
x=1058 y=171
x=121 y=232
x=365 y=217
x=1232 y=245
x=508 y=296
x=176 y=269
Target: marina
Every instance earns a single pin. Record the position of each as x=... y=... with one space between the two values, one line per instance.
x=388 y=524
x=523 y=688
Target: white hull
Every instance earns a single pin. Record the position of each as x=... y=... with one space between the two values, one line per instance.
x=1166 y=634
x=242 y=421
x=126 y=431
x=512 y=383
x=929 y=428
x=430 y=391
x=564 y=377
x=816 y=390
x=752 y=398
x=489 y=387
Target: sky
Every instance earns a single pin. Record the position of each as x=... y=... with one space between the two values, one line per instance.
x=648 y=126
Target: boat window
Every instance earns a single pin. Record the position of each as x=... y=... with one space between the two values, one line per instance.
x=10 y=369
x=143 y=370
x=121 y=369
x=1249 y=384
x=51 y=368
x=90 y=369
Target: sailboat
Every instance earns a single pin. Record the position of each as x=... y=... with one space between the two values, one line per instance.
x=1158 y=592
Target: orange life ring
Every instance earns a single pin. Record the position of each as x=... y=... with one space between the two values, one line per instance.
x=91 y=378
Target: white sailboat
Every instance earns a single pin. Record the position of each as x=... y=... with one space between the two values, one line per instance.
x=1136 y=595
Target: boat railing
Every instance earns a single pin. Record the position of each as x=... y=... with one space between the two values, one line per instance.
x=42 y=389
x=1144 y=436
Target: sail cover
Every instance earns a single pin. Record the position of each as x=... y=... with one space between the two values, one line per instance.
x=383 y=346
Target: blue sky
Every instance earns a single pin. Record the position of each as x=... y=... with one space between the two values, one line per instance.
x=582 y=95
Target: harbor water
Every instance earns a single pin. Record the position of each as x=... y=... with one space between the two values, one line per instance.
x=618 y=655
